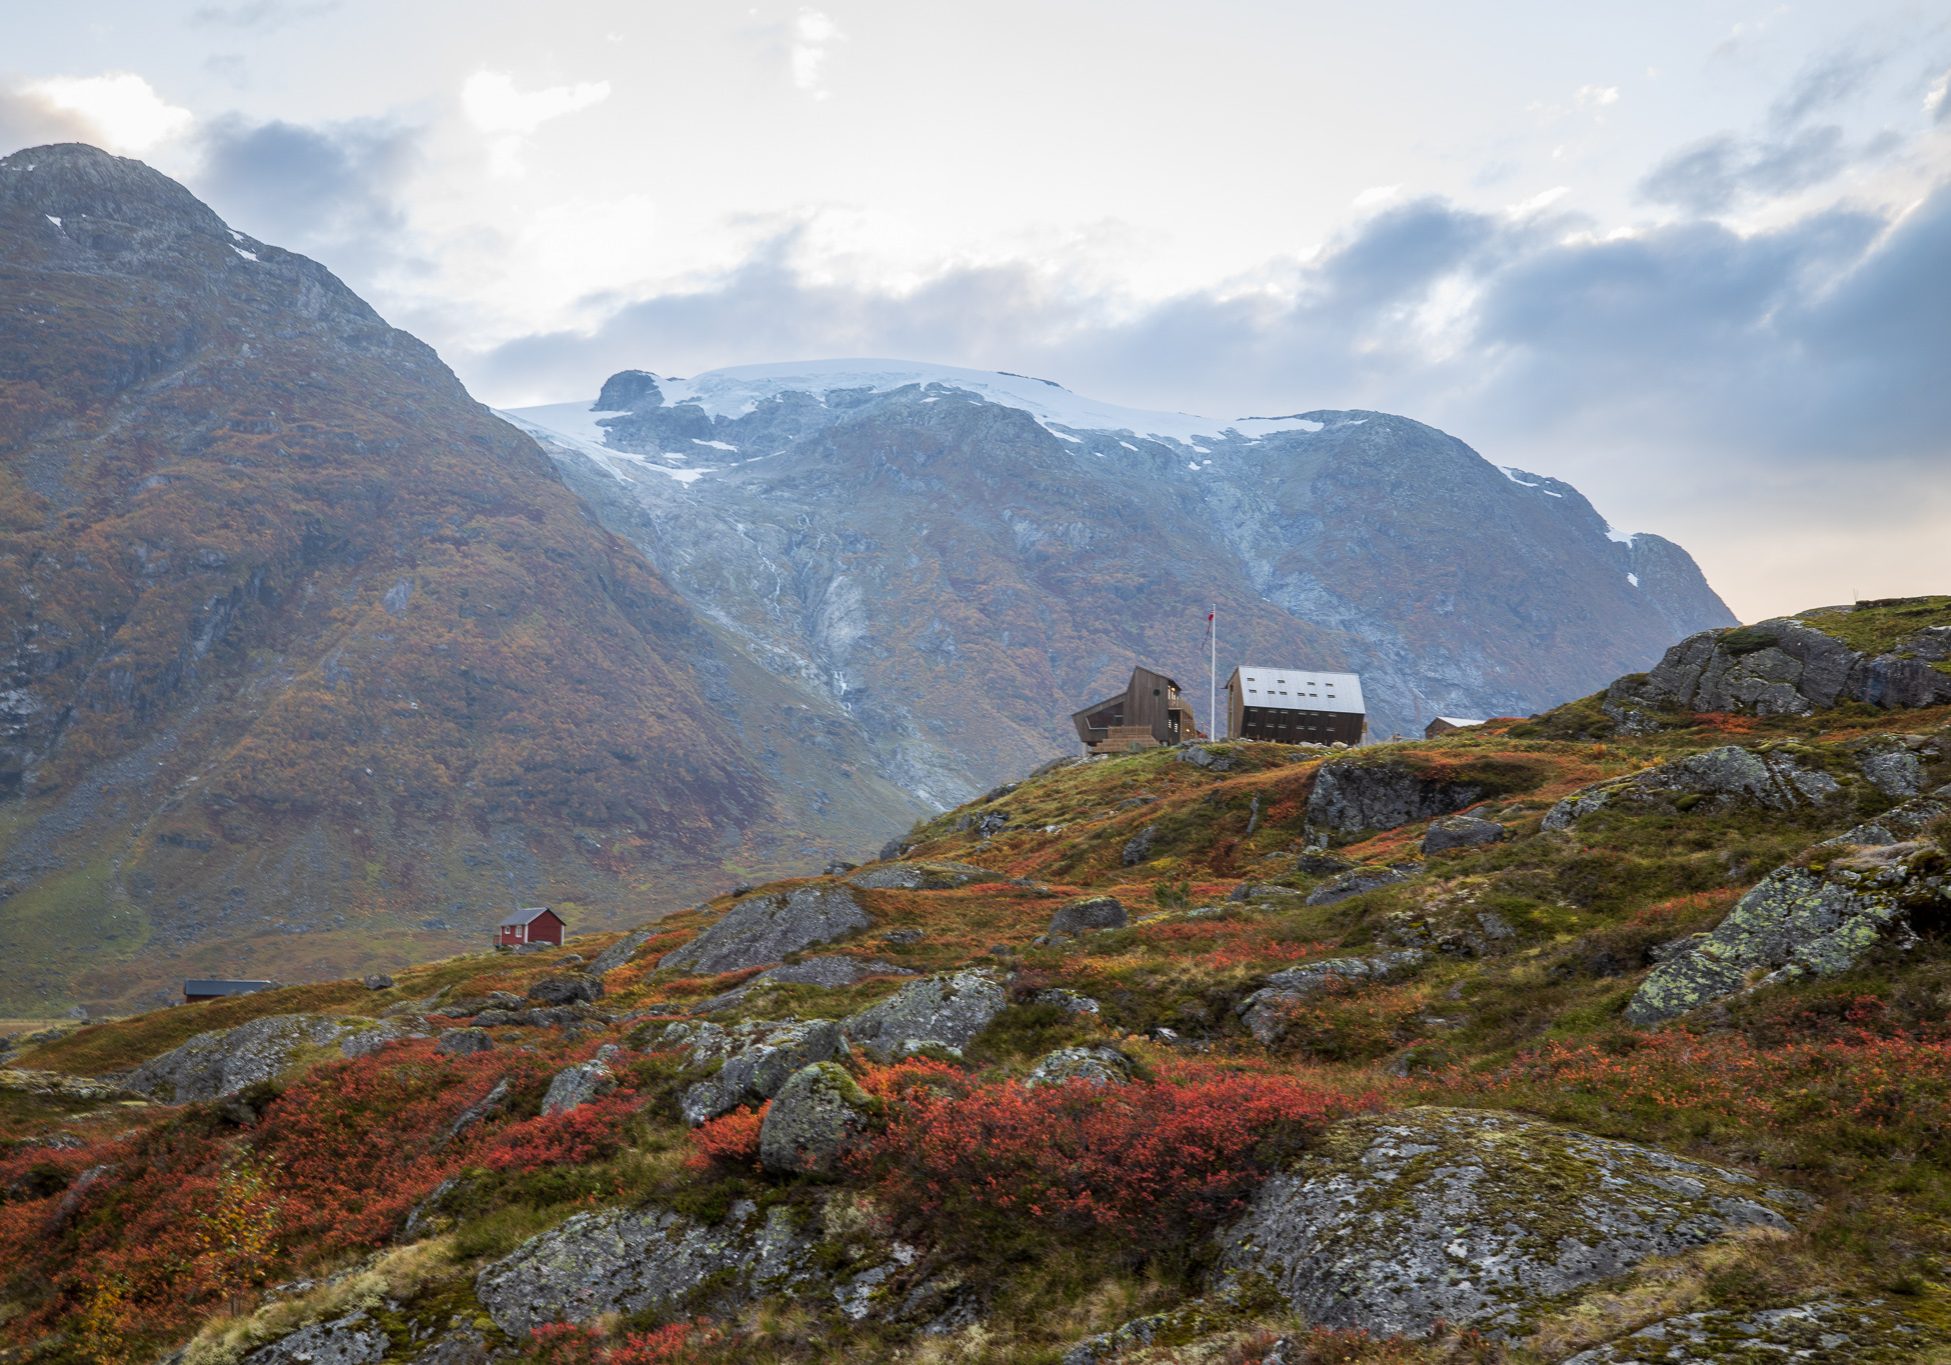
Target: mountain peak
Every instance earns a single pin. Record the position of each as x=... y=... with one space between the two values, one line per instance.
x=72 y=180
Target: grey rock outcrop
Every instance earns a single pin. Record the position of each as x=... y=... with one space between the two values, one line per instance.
x=1098 y=1065
x=1265 y=1011
x=1069 y=1001
x=1357 y=880
x=1787 y=666
x=224 y=1061
x=619 y=952
x=465 y=1042
x=1470 y=1218
x=756 y=1060
x=574 y=1086
x=765 y=929
x=568 y=988
x=920 y=876
x=1727 y=776
x=354 y=1339
x=814 y=1121
x=944 y=1011
x=1895 y=769
x=633 y=1261
x=1817 y=919
x=1351 y=795
x=1085 y=916
x=1138 y=848
x=1861 y=1333
x=1214 y=758
x=1461 y=831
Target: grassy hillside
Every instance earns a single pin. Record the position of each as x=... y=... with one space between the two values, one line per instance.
x=1053 y=1213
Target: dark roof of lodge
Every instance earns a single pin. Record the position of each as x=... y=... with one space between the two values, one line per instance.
x=225 y=987
x=528 y=916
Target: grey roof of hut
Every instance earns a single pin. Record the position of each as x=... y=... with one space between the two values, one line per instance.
x=527 y=916
x=225 y=987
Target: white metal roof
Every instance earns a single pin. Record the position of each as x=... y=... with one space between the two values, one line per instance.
x=1461 y=722
x=1301 y=689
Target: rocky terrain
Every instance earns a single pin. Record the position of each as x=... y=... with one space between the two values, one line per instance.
x=307 y=659
x=1615 y=1034
x=948 y=562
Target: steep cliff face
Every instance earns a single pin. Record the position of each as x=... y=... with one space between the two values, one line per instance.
x=297 y=637
x=960 y=558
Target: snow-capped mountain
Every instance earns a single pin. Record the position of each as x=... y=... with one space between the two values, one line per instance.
x=951 y=560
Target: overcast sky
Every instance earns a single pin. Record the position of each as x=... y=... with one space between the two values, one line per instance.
x=1692 y=256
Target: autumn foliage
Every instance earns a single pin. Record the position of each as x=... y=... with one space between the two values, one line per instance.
x=1147 y=1161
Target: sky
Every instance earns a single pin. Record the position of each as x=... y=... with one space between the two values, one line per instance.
x=1692 y=256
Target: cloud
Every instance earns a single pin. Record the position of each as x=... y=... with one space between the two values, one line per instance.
x=266 y=15
x=333 y=191
x=118 y=110
x=496 y=105
x=29 y=120
x=814 y=35
x=1937 y=100
x=1716 y=174
x=1823 y=84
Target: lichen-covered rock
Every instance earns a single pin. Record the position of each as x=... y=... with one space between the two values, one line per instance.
x=1783 y=667
x=1351 y=795
x=1401 y=1221
x=920 y=876
x=814 y=1121
x=1265 y=1011
x=1138 y=848
x=351 y=1340
x=224 y=1061
x=945 y=1011
x=619 y=952
x=1815 y=920
x=757 y=1059
x=1461 y=831
x=1069 y=1001
x=1098 y=1065
x=1723 y=777
x=464 y=1042
x=1215 y=758
x=765 y=929
x=1085 y=916
x=574 y=1086
x=567 y=988
x=1895 y=769
x=634 y=1261
x=1861 y=1333
x=1357 y=880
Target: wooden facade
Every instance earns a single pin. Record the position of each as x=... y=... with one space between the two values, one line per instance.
x=1150 y=711
x=1295 y=706
x=538 y=924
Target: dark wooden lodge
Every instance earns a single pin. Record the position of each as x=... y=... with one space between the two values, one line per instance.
x=1295 y=706
x=1150 y=711
x=196 y=990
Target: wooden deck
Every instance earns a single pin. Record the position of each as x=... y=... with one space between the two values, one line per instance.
x=1123 y=739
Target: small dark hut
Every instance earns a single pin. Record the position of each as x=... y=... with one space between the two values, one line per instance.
x=194 y=991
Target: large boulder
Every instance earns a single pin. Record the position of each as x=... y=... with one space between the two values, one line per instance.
x=224 y=1061
x=1720 y=778
x=567 y=988
x=355 y=1339
x=1351 y=794
x=1401 y=1221
x=941 y=1011
x=1461 y=831
x=1817 y=917
x=762 y=929
x=619 y=952
x=816 y=1119
x=1085 y=916
x=1783 y=667
x=1099 y=1065
x=1265 y=1012
x=574 y=1086
x=640 y=1260
x=755 y=1061
x=1861 y=1332
x=1359 y=879
x=920 y=876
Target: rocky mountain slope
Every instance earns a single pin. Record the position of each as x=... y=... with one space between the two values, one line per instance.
x=307 y=657
x=958 y=559
x=1612 y=1035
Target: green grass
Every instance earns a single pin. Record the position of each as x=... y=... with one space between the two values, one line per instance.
x=1882 y=628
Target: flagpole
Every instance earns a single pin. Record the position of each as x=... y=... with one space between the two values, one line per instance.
x=1212 y=676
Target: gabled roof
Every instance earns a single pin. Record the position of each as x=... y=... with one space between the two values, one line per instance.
x=225 y=987
x=1459 y=721
x=1299 y=689
x=528 y=916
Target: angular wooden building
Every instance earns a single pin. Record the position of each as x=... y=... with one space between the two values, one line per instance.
x=1150 y=711
x=1295 y=706
x=1442 y=725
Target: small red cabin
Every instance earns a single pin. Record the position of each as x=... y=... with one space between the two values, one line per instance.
x=538 y=924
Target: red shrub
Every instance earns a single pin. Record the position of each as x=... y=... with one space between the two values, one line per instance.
x=589 y=1132
x=731 y=1139
x=1144 y=1161
x=563 y=1343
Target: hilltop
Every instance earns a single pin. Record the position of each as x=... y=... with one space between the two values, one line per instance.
x=1614 y=1033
